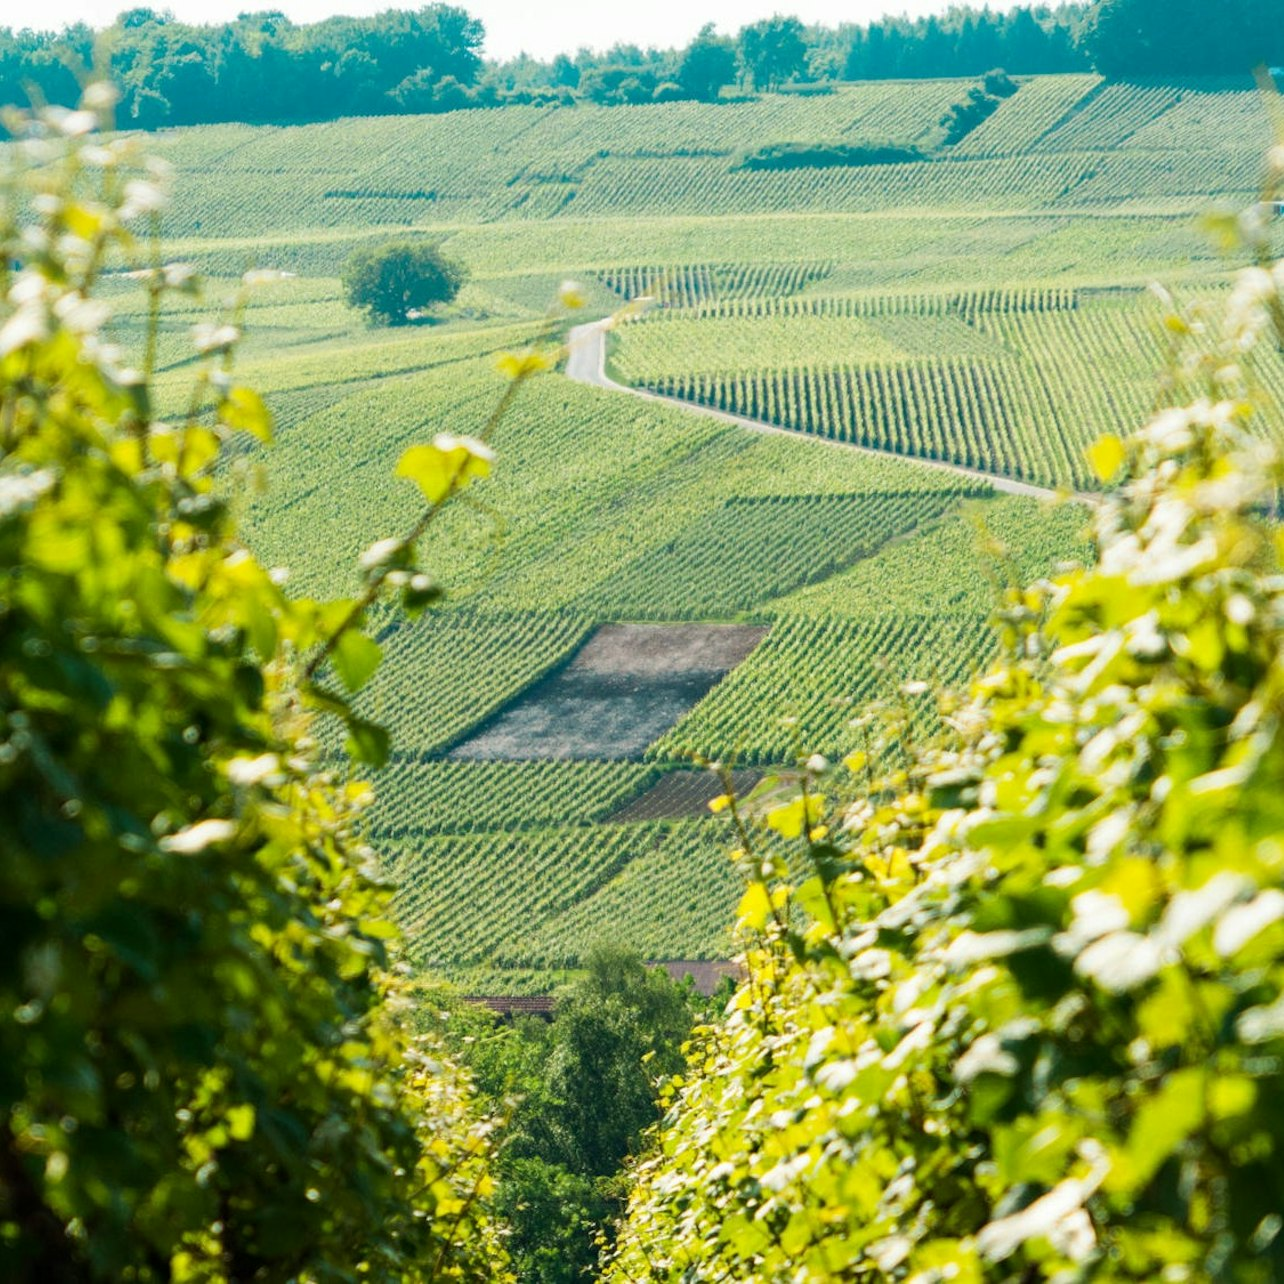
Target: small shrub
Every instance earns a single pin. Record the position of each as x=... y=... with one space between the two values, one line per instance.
x=998 y=84
x=778 y=156
x=668 y=92
x=395 y=281
x=964 y=117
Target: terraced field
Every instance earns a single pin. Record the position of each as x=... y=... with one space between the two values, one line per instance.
x=985 y=307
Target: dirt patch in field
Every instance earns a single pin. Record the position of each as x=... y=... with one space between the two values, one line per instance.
x=625 y=687
x=682 y=795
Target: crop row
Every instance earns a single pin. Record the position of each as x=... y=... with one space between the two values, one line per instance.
x=577 y=473
x=920 y=249
x=476 y=165
x=422 y=799
x=353 y=359
x=1035 y=110
x=1121 y=339
x=802 y=689
x=565 y=139
x=1211 y=118
x=695 y=285
x=753 y=550
x=688 y=342
x=902 y=117
x=599 y=481
x=958 y=566
x=946 y=335
x=1176 y=179
x=583 y=483
x=1099 y=367
x=684 y=795
x=966 y=303
x=533 y=164
x=1052 y=380
x=703 y=186
x=1108 y=118
x=675 y=899
x=483 y=898
x=970 y=412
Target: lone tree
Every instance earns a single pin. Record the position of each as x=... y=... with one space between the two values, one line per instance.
x=395 y=280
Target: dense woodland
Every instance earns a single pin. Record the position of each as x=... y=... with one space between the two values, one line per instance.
x=262 y=68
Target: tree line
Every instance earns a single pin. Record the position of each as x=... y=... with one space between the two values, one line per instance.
x=263 y=68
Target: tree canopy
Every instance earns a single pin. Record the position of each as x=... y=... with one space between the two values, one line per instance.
x=585 y=1085
x=708 y=65
x=263 y=68
x=259 y=68
x=398 y=279
x=1182 y=38
x=773 y=51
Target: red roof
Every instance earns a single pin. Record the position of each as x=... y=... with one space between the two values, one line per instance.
x=514 y=1004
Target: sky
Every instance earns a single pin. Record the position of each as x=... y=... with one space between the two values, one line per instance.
x=539 y=27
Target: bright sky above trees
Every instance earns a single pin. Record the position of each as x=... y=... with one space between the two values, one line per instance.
x=514 y=25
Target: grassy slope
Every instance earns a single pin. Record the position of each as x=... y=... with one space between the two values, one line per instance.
x=603 y=508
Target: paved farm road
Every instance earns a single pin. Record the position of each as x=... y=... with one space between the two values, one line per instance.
x=587 y=364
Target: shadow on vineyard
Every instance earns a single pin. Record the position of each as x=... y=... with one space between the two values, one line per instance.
x=798 y=540
x=683 y=795
x=622 y=690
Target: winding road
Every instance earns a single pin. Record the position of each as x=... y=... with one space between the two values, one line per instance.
x=586 y=364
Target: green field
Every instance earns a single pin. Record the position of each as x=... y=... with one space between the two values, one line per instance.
x=985 y=308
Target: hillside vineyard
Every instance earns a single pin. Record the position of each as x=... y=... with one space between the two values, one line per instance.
x=983 y=307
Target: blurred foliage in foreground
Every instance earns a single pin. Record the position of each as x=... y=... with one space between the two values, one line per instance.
x=203 y=1074
x=1033 y=1029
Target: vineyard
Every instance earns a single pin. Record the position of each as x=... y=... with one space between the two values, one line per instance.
x=797 y=540
x=418 y=800
x=1062 y=142
x=624 y=687
x=984 y=306
x=1019 y=539
x=681 y=794
x=1019 y=382
x=805 y=688
x=697 y=284
x=506 y=655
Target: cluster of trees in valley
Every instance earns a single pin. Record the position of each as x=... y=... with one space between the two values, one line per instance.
x=580 y=1088
x=263 y=68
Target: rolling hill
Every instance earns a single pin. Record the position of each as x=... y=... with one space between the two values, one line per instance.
x=982 y=307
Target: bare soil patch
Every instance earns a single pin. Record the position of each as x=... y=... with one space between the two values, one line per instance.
x=683 y=795
x=626 y=686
